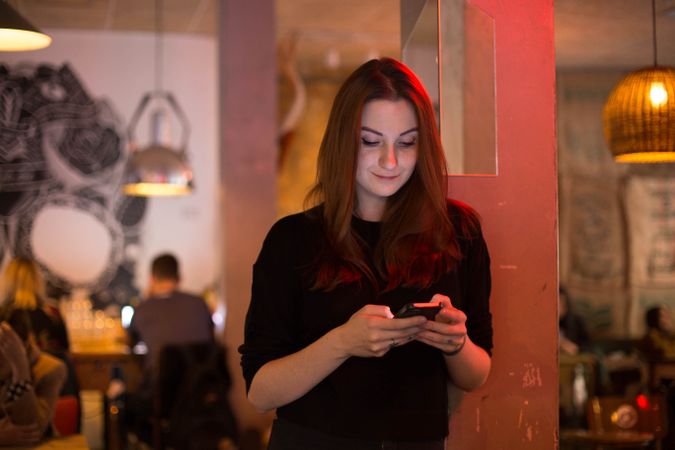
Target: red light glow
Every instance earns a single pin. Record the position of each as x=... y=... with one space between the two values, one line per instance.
x=642 y=401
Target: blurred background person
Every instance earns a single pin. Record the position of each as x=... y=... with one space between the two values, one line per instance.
x=659 y=339
x=168 y=316
x=574 y=336
x=23 y=288
x=30 y=382
x=659 y=343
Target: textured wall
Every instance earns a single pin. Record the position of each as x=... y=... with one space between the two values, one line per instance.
x=248 y=163
x=297 y=174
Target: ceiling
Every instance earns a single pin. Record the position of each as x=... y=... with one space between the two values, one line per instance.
x=329 y=33
x=613 y=33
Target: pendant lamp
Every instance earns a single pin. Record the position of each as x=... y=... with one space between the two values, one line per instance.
x=17 y=34
x=639 y=115
x=158 y=169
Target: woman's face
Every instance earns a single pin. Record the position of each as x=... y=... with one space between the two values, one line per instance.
x=387 y=154
x=665 y=320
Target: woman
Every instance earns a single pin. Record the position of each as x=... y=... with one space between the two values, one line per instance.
x=659 y=339
x=321 y=345
x=30 y=382
x=23 y=288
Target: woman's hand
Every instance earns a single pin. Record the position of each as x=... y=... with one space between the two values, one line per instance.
x=371 y=332
x=22 y=435
x=468 y=365
x=448 y=331
x=13 y=350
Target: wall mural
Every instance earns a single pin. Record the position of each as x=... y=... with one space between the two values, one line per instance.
x=617 y=245
x=592 y=235
x=62 y=155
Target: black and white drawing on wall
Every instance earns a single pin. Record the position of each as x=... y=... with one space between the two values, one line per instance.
x=62 y=155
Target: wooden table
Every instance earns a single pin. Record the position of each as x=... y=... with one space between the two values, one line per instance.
x=94 y=368
x=607 y=439
x=72 y=442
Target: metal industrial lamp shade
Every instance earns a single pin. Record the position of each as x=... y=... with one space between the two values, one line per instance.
x=639 y=117
x=157 y=170
x=17 y=34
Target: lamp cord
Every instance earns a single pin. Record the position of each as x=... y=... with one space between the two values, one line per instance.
x=654 y=32
x=158 y=45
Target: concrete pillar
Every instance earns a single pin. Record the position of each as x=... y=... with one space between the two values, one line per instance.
x=248 y=150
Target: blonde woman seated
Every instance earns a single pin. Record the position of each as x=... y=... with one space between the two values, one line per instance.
x=30 y=382
x=23 y=288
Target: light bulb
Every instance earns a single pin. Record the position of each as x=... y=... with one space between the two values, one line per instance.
x=126 y=314
x=658 y=94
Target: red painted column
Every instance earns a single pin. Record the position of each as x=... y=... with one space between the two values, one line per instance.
x=517 y=409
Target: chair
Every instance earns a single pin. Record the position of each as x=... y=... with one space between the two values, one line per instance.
x=66 y=419
x=191 y=403
x=617 y=422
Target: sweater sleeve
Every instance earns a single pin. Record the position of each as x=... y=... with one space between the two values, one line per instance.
x=475 y=278
x=271 y=329
x=37 y=405
x=47 y=389
x=477 y=285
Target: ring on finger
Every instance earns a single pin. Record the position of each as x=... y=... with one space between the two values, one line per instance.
x=456 y=344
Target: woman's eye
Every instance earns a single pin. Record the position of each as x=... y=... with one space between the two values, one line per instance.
x=407 y=143
x=369 y=143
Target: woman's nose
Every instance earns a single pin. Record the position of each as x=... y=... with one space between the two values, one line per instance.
x=388 y=157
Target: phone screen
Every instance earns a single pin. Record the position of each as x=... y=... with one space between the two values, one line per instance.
x=428 y=310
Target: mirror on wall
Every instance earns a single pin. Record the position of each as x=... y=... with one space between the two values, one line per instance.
x=450 y=46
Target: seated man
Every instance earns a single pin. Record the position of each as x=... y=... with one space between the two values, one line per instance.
x=168 y=316
x=31 y=382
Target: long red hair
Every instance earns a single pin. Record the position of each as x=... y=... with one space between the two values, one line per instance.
x=418 y=241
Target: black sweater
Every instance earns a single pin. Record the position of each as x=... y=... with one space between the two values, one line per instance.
x=400 y=396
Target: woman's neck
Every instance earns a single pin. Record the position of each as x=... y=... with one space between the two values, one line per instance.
x=370 y=214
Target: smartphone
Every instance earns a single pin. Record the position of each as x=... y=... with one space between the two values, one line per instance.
x=428 y=310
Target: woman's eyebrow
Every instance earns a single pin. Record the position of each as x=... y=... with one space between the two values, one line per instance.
x=380 y=134
x=372 y=131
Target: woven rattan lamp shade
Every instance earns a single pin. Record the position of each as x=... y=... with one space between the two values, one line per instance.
x=639 y=116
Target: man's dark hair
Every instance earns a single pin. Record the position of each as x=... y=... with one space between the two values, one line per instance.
x=165 y=267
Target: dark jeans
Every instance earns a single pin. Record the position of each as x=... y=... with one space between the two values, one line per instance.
x=289 y=436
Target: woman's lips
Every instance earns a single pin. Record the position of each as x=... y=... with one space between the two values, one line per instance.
x=386 y=177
